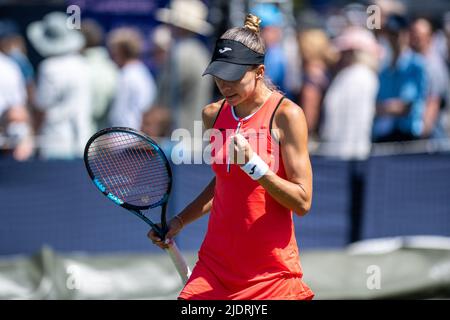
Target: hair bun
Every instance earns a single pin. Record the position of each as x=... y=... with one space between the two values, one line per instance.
x=252 y=23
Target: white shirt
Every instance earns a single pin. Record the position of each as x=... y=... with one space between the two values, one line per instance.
x=12 y=86
x=349 y=108
x=181 y=85
x=63 y=94
x=136 y=92
x=103 y=75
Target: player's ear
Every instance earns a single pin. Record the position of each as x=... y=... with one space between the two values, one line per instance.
x=259 y=71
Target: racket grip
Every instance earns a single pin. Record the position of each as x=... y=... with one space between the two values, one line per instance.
x=178 y=261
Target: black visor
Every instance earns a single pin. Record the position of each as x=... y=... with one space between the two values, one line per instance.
x=231 y=59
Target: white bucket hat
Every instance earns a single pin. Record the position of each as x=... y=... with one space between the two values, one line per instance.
x=187 y=14
x=52 y=36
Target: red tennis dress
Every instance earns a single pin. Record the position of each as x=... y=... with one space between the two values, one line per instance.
x=250 y=250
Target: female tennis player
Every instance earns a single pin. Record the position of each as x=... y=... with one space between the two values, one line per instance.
x=250 y=250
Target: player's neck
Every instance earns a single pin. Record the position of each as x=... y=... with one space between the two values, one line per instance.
x=254 y=102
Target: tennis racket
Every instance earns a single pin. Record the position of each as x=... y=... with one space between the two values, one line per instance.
x=130 y=169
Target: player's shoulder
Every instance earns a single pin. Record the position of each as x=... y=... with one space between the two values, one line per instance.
x=289 y=111
x=289 y=121
x=209 y=113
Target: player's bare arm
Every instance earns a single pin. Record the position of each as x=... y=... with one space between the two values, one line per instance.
x=295 y=193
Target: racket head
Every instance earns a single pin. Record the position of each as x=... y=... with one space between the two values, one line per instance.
x=129 y=168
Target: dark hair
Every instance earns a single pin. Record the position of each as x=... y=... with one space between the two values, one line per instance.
x=396 y=23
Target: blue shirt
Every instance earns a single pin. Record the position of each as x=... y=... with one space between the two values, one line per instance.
x=275 y=64
x=406 y=81
x=24 y=64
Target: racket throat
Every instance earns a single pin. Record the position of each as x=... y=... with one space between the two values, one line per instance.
x=159 y=230
x=164 y=226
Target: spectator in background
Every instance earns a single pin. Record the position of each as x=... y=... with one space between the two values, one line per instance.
x=12 y=44
x=421 y=42
x=439 y=37
x=271 y=32
x=181 y=86
x=446 y=54
x=318 y=56
x=355 y=15
x=161 y=40
x=403 y=88
x=386 y=9
x=136 y=88
x=102 y=71
x=15 y=124
x=62 y=93
x=446 y=34
x=349 y=103
x=157 y=123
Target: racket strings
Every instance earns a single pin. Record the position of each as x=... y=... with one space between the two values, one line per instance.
x=130 y=160
x=134 y=184
x=129 y=167
x=112 y=179
x=114 y=146
x=132 y=165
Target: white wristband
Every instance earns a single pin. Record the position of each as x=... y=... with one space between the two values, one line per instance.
x=255 y=167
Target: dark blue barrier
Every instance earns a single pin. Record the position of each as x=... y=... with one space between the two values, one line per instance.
x=190 y=180
x=407 y=195
x=55 y=203
x=327 y=225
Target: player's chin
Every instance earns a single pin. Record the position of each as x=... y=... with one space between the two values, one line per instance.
x=233 y=99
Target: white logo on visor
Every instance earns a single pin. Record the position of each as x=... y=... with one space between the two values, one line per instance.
x=225 y=50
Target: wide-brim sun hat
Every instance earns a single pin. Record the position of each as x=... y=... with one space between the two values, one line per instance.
x=54 y=36
x=356 y=38
x=187 y=14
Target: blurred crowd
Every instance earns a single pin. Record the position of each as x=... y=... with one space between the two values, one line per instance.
x=357 y=85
